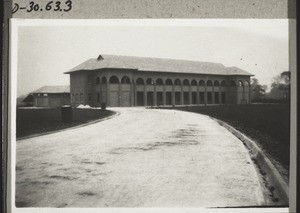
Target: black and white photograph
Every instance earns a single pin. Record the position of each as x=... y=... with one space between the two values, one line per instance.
x=150 y=114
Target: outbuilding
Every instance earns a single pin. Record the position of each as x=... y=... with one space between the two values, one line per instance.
x=50 y=96
x=123 y=81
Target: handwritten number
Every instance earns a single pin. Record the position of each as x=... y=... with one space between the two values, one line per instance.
x=69 y=4
x=57 y=4
x=49 y=6
x=30 y=6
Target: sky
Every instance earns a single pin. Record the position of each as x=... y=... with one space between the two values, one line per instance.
x=47 y=48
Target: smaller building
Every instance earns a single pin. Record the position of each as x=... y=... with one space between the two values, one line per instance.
x=49 y=96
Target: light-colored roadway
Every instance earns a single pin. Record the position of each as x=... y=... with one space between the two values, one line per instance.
x=140 y=158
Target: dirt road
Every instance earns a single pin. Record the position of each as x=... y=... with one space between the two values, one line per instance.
x=140 y=158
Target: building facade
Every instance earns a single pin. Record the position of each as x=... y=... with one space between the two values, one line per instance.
x=50 y=96
x=123 y=81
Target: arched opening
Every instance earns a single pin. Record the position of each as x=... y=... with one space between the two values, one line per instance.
x=240 y=83
x=159 y=81
x=194 y=82
x=223 y=83
x=201 y=83
x=246 y=83
x=177 y=82
x=125 y=80
x=209 y=83
x=149 y=81
x=169 y=82
x=186 y=82
x=103 y=80
x=140 y=81
x=232 y=83
x=114 y=80
x=216 y=83
x=97 y=81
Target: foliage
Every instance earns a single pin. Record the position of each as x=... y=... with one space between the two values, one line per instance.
x=258 y=91
x=280 y=88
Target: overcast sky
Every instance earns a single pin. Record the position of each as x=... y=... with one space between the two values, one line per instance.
x=48 y=49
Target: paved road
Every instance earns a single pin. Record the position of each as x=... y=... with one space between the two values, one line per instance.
x=140 y=158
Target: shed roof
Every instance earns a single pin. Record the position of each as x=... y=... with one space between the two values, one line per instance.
x=53 y=89
x=157 y=65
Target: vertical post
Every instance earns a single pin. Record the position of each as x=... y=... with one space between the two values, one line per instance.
x=181 y=95
x=205 y=94
x=213 y=94
x=164 y=94
x=108 y=93
x=173 y=94
x=145 y=94
x=154 y=95
x=220 y=94
x=119 y=94
x=131 y=93
x=190 y=95
x=198 y=94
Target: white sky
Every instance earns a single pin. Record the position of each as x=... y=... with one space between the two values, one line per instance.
x=46 y=49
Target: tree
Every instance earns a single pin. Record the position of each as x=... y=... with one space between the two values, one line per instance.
x=258 y=91
x=280 y=88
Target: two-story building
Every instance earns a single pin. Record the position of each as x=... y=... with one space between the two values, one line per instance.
x=122 y=81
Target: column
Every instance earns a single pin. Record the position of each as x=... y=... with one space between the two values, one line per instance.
x=119 y=94
x=154 y=95
x=197 y=95
x=190 y=95
x=145 y=94
x=205 y=95
x=220 y=94
x=107 y=93
x=164 y=94
x=132 y=92
x=213 y=94
x=173 y=94
x=181 y=95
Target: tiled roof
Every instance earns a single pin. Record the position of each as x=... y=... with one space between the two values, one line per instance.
x=53 y=89
x=157 y=65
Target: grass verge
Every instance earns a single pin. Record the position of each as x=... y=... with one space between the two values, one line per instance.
x=35 y=121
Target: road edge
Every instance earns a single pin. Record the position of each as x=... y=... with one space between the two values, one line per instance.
x=277 y=186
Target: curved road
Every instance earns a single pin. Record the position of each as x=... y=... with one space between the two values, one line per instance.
x=140 y=158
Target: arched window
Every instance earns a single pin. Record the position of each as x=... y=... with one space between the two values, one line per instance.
x=169 y=82
x=103 y=80
x=194 y=82
x=232 y=83
x=140 y=81
x=209 y=83
x=201 y=83
x=177 y=82
x=240 y=83
x=216 y=83
x=149 y=81
x=186 y=82
x=125 y=80
x=246 y=83
x=159 y=81
x=97 y=80
x=223 y=83
x=114 y=80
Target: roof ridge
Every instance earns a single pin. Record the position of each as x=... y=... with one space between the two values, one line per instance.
x=176 y=59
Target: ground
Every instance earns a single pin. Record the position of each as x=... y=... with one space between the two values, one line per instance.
x=140 y=158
